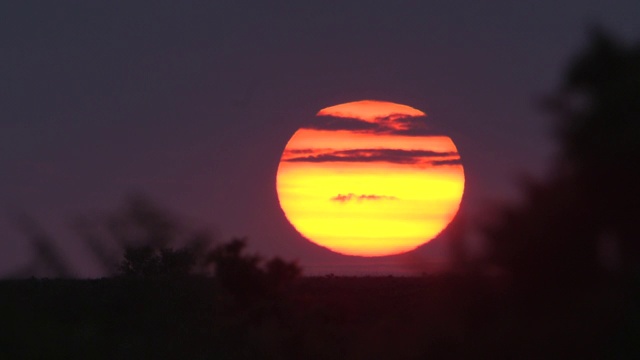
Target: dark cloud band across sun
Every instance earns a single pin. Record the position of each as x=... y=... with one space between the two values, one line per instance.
x=394 y=124
x=446 y=162
x=396 y=156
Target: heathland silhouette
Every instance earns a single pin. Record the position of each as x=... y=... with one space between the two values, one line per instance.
x=567 y=258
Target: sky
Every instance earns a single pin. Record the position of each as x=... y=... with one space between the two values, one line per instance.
x=193 y=103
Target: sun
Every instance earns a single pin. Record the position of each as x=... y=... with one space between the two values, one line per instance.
x=370 y=178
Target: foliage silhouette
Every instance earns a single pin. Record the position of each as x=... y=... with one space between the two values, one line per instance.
x=48 y=259
x=143 y=222
x=281 y=274
x=601 y=139
x=555 y=235
x=149 y=262
x=244 y=277
x=154 y=241
x=147 y=232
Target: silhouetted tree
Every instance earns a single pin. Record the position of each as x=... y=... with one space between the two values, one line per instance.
x=553 y=236
x=546 y=240
x=599 y=126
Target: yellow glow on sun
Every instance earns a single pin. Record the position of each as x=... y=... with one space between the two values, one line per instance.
x=370 y=178
x=370 y=110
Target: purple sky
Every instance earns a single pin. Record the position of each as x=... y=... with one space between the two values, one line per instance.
x=194 y=103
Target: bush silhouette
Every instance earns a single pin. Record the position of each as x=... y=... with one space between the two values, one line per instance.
x=149 y=262
x=147 y=234
x=244 y=277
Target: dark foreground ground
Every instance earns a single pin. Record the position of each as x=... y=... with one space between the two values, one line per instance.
x=316 y=318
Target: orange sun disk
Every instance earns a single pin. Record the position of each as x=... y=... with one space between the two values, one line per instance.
x=370 y=178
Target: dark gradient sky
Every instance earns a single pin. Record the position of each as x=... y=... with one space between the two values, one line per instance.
x=194 y=103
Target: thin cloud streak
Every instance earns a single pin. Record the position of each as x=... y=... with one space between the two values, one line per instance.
x=447 y=162
x=333 y=123
x=396 y=156
x=351 y=196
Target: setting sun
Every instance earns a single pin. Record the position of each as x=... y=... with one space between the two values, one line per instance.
x=370 y=178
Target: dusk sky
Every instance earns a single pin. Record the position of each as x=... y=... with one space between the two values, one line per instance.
x=193 y=103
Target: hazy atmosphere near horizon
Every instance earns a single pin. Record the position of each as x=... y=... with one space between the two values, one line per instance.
x=193 y=103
